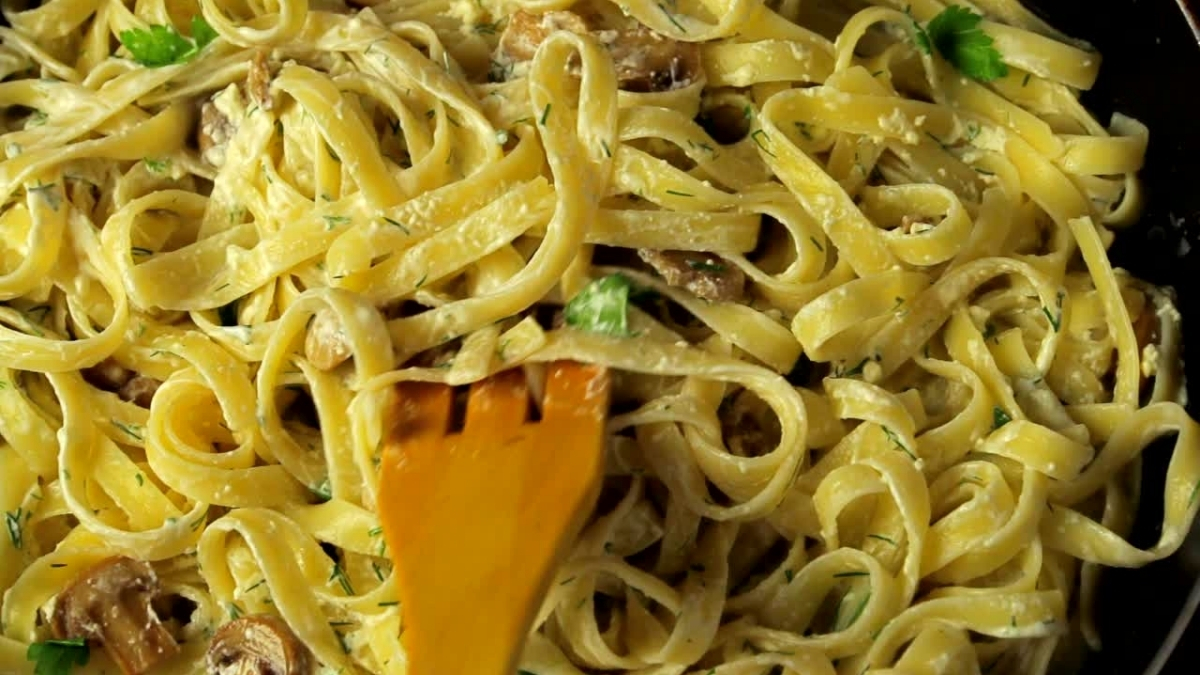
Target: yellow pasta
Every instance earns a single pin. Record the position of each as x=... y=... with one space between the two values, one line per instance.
x=877 y=404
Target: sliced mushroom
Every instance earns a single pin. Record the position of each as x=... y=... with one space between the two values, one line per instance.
x=139 y=390
x=258 y=81
x=326 y=344
x=217 y=123
x=219 y=115
x=645 y=60
x=110 y=604
x=705 y=275
x=525 y=31
x=257 y=645
x=109 y=375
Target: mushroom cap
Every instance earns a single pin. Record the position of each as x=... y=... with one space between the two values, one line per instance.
x=110 y=604
x=257 y=645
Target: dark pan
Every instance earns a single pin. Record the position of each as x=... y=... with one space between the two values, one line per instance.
x=1151 y=71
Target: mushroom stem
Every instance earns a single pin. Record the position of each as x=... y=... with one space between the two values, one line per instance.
x=110 y=604
x=257 y=645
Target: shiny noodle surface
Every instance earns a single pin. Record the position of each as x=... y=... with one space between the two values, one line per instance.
x=907 y=448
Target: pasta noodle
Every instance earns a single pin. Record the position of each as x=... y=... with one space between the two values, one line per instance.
x=880 y=403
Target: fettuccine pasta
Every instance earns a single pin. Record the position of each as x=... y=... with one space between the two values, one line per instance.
x=879 y=396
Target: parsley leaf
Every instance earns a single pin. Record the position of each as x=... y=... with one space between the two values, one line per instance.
x=202 y=33
x=56 y=657
x=957 y=36
x=323 y=491
x=1000 y=417
x=12 y=521
x=855 y=370
x=163 y=45
x=920 y=37
x=601 y=307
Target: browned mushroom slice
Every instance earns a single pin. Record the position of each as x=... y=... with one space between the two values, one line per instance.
x=140 y=390
x=108 y=375
x=705 y=275
x=525 y=31
x=257 y=645
x=645 y=61
x=326 y=344
x=216 y=130
x=110 y=604
x=220 y=113
x=258 y=81
x=218 y=124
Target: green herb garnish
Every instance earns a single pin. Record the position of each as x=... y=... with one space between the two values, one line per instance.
x=339 y=575
x=895 y=439
x=758 y=136
x=132 y=430
x=989 y=330
x=163 y=45
x=856 y=370
x=322 y=490
x=1055 y=321
x=12 y=521
x=855 y=614
x=395 y=223
x=57 y=657
x=157 y=165
x=956 y=35
x=1000 y=417
x=601 y=307
x=671 y=17
x=333 y=221
x=920 y=37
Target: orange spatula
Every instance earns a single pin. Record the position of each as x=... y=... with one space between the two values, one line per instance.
x=478 y=521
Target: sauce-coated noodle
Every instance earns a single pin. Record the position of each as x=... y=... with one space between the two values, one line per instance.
x=880 y=403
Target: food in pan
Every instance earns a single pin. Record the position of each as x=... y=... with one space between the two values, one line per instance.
x=879 y=396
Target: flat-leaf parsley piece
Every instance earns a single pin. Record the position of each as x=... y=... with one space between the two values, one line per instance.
x=601 y=307
x=1000 y=417
x=163 y=45
x=57 y=657
x=956 y=34
x=920 y=37
x=202 y=33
